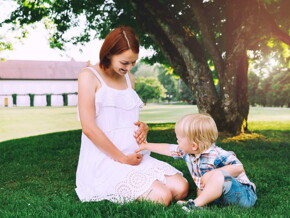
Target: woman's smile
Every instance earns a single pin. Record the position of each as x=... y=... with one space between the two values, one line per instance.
x=123 y=71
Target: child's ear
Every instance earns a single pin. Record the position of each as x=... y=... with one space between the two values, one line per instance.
x=194 y=146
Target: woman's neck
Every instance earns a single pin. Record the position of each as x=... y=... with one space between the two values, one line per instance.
x=109 y=73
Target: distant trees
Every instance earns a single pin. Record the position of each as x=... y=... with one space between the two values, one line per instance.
x=149 y=88
x=185 y=94
x=266 y=86
x=273 y=90
x=169 y=81
x=174 y=89
x=269 y=77
x=280 y=89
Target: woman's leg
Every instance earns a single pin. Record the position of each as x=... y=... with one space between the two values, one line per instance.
x=158 y=192
x=178 y=186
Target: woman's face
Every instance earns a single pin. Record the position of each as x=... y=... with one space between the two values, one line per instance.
x=123 y=63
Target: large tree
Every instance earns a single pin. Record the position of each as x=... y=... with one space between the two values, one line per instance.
x=202 y=40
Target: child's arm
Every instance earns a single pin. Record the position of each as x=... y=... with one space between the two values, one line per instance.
x=226 y=161
x=233 y=170
x=160 y=148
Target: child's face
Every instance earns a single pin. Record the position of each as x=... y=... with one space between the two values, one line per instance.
x=186 y=146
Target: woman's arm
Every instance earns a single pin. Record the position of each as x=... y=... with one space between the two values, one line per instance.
x=141 y=133
x=87 y=86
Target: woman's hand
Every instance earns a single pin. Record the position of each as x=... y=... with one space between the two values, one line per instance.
x=133 y=159
x=141 y=133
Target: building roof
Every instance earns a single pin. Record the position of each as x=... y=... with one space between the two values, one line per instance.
x=46 y=70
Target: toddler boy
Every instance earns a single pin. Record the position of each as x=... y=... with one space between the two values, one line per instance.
x=217 y=173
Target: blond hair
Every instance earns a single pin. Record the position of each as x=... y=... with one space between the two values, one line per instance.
x=198 y=128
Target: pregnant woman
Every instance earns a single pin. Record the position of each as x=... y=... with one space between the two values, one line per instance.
x=108 y=167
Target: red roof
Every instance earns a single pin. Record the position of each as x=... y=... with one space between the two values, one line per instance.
x=50 y=70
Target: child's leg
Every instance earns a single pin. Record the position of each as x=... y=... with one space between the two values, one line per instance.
x=239 y=194
x=221 y=184
x=212 y=189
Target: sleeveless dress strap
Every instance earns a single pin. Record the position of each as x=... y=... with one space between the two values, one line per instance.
x=97 y=75
x=128 y=80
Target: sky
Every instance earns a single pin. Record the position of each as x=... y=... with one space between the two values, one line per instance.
x=36 y=45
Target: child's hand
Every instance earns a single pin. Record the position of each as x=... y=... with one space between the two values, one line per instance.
x=142 y=147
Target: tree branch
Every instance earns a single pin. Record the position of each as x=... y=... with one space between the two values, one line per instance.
x=198 y=73
x=149 y=25
x=269 y=21
x=265 y=27
x=208 y=36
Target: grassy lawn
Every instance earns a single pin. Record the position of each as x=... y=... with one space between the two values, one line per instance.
x=37 y=176
x=26 y=121
x=20 y=122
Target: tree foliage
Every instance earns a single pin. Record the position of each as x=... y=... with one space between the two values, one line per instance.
x=144 y=70
x=169 y=82
x=202 y=40
x=149 y=88
x=185 y=94
x=273 y=90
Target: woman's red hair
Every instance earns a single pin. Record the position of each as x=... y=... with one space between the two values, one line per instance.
x=116 y=42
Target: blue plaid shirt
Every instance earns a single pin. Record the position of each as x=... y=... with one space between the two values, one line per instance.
x=210 y=159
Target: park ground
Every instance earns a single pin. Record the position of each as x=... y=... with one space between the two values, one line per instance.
x=18 y=122
x=37 y=173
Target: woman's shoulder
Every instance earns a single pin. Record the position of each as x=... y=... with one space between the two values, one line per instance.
x=86 y=73
x=87 y=76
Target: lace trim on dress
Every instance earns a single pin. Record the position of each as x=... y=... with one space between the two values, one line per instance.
x=136 y=183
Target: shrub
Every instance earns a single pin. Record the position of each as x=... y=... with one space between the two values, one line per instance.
x=31 y=97
x=14 y=97
x=48 y=99
x=65 y=99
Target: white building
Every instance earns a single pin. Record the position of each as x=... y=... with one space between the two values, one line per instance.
x=39 y=78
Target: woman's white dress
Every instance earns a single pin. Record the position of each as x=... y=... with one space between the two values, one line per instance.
x=98 y=176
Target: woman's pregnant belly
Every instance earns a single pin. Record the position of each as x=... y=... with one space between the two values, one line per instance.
x=123 y=139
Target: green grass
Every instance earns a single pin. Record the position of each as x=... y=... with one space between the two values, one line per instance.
x=37 y=176
x=21 y=122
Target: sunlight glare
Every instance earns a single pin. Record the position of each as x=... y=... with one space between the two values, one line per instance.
x=273 y=62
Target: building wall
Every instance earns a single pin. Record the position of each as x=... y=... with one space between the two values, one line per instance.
x=24 y=87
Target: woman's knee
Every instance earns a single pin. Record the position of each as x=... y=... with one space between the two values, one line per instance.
x=178 y=186
x=158 y=193
x=165 y=196
x=181 y=188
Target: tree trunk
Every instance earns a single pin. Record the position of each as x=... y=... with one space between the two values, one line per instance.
x=229 y=108
x=188 y=54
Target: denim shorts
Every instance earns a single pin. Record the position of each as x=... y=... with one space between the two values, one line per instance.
x=237 y=193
